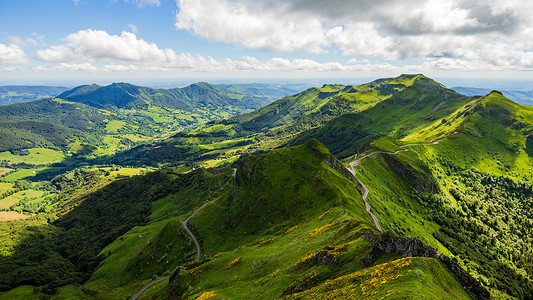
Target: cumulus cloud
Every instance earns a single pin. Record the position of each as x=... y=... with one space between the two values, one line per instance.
x=495 y=32
x=97 y=45
x=239 y=22
x=12 y=54
x=98 y=51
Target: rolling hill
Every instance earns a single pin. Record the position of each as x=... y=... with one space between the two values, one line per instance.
x=230 y=99
x=399 y=188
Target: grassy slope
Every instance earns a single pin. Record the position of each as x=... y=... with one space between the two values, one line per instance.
x=272 y=193
x=406 y=112
x=270 y=126
x=260 y=237
x=487 y=135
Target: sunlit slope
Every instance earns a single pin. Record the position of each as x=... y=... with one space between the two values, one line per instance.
x=406 y=112
x=311 y=107
x=481 y=191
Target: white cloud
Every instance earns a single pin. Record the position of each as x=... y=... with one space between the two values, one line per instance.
x=235 y=22
x=22 y=42
x=12 y=54
x=492 y=32
x=97 y=45
x=133 y=28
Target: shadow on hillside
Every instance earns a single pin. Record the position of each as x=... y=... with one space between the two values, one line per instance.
x=65 y=250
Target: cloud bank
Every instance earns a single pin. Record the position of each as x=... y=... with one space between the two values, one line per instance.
x=12 y=54
x=491 y=32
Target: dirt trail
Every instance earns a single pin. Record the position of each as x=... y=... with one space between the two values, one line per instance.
x=184 y=223
x=365 y=194
x=147 y=287
x=192 y=235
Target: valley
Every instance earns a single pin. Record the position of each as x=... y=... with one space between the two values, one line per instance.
x=399 y=188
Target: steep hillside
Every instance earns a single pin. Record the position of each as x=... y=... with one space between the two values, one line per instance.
x=480 y=191
x=221 y=142
x=312 y=107
x=432 y=200
x=287 y=223
x=407 y=111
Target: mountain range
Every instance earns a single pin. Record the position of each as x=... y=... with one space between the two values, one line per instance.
x=11 y=94
x=399 y=188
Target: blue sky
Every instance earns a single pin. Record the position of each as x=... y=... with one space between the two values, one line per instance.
x=251 y=40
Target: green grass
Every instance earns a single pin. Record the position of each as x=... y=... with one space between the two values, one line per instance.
x=406 y=278
x=22 y=292
x=114 y=125
x=5 y=187
x=15 y=198
x=36 y=156
x=25 y=173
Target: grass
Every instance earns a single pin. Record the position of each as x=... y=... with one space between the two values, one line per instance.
x=114 y=125
x=26 y=173
x=392 y=203
x=11 y=216
x=36 y=156
x=4 y=171
x=5 y=187
x=22 y=292
x=406 y=278
x=15 y=198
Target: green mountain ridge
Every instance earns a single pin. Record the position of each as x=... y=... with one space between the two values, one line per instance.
x=278 y=215
x=125 y=95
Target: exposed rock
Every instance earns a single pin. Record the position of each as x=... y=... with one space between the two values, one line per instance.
x=406 y=247
x=413 y=247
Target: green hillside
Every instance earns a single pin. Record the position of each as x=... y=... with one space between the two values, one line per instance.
x=271 y=126
x=431 y=199
x=289 y=222
x=97 y=121
x=195 y=97
x=407 y=111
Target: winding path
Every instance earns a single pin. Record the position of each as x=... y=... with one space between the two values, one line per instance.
x=190 y=233
x=365 y=194
x=184 y=223
x=147 y=287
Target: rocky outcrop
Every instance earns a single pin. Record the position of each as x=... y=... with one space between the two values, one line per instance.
x=413 y=247
x=387 y=243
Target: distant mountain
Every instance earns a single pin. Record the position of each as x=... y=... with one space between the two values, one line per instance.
x=232 y=99
x=12 y=94
x=521 y=97
x=311 y=108
x=117 y=115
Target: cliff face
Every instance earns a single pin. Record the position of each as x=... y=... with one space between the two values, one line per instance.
x=421 y=181
x=413 y=247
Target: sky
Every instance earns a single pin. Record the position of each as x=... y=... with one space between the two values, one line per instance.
x=84 y=41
